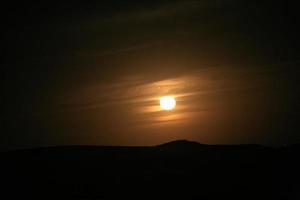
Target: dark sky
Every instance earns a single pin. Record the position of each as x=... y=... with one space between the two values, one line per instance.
x=92 y=73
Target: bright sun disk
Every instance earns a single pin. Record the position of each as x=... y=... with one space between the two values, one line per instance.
x=167 y=102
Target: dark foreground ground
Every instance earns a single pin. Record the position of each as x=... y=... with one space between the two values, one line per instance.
x=177 y=169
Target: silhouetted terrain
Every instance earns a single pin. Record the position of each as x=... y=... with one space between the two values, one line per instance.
x=177 y=169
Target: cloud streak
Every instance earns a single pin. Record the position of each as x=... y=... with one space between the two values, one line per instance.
x=208 y=90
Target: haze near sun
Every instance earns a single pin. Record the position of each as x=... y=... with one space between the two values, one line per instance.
x=167 y=102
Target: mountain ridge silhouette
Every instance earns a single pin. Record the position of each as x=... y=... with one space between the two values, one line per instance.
x=180 y=168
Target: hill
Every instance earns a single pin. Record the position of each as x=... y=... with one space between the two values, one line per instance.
x=176 y=169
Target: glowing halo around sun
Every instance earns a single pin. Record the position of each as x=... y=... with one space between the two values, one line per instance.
x=167 y=102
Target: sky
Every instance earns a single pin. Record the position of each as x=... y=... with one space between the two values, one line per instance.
x=92 y=73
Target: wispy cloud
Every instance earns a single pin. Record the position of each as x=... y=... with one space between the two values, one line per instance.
x=161 y=10
x=196 y=92
x=127 y=49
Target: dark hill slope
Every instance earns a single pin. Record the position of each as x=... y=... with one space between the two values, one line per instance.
x=176 y=169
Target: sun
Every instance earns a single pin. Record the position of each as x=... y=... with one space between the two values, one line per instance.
x=167 y=102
